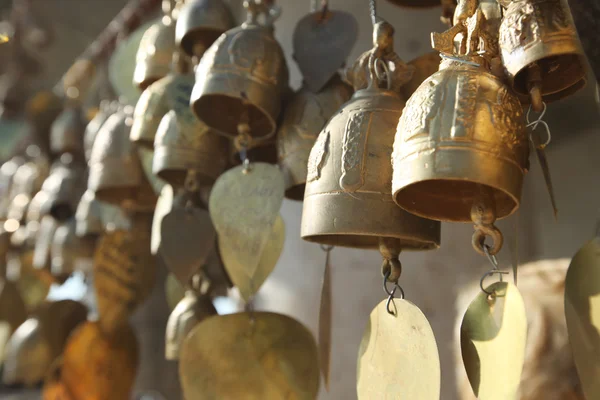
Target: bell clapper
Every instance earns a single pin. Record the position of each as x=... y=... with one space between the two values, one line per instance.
x=242 y=142
x=534 y=85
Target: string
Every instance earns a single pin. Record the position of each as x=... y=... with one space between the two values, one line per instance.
x=373 y=8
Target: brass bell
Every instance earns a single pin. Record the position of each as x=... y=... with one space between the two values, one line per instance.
x=200 y=23
x=168 y=93
x=188 y=313
x=241 y=78
x=88 y=216
x=66 y=133
x=462 y=139
x=347 y=200
x=64 y=187
x=69 y=252
x=105 y=110
x=182 y=144
x=27 y=181
x=7 y=173
x=541 y=50
x=115 y=171
x=153 y=58
x=303 y=119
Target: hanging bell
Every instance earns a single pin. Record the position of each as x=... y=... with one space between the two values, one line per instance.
x=66 y=133
x=461 y=145
x=168 y=93
x=348 y=199
x=153 y=58
x=64 y=187
x=188 y=313
x=200 y=23
x=304 y=117
x=242 y=77
x=7 y=173
x=106 y=109
x=89 y=216
x=182 y=144
x=541 y=50
x=69 y=252
x=115 y=171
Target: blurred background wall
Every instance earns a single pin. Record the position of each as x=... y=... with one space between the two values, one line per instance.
x=431 y=280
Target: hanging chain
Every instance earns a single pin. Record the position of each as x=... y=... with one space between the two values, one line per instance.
x=373 y=9
x=391 y=269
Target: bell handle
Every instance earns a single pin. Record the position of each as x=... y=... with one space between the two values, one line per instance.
x=374 y=77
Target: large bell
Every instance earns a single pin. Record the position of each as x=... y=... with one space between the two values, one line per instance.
x=200 y=23
x=462 y=136
x=541 y=50
x=348 y=200
x=182 y=144
x=241 y=79
x=153 y=58
x=304 y=117
x=115 y=171
x=171 y=92
x=188 y=313
x=66 y=133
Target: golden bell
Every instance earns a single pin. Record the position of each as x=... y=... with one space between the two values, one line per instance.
x=200 y=23
x=347 y=199
x=64 y=186
x=153 y=58
x=541 y=50
x=70 y=252
x=241 y=79
x=168 y=93
x=115 y=171
x=66 y=133
x=27 y=356
x=188 y=313
x=303 y=119
x=462 y=136
x=182 y=144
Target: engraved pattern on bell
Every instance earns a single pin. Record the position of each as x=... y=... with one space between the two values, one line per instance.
x=200 y=23
x=542 y=32
x=243 y=75
x=153 y=58
x=462 y=128
x=303 y=119
x=350 y=175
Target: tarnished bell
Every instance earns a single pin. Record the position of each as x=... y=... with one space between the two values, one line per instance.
x=183 y=143
x=303 y=119
x=166 y=94
x=200 y=23
x=66 y=133
x=188 y=313
x=539 y=43
x=462 y=133
x=241 y=79
x=348 y=199
x=115 y=171
x=153 y=58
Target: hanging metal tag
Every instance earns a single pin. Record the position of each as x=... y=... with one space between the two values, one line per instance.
x=262 y=355
x=493 y=335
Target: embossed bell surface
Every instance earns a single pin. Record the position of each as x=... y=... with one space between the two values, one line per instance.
x=66 y=133
x=304 y=117
x=242 y=78
x=542 y=32
x=188 y=313
x=462 y=133
x=200 y=23
x=348 y=199
x=115 y=173
x=424 y=66
x=153 y=58
x=184 y=143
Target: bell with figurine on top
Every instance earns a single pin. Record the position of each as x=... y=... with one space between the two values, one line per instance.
x=242 y=78
x=348 y=200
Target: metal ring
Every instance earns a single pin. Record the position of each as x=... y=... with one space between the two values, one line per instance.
x=479 y=236
x=490 y=273
x=386 y=71
x=392 y=294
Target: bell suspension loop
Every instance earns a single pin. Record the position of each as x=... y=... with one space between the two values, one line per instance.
x=391 y=268
x=483 y=214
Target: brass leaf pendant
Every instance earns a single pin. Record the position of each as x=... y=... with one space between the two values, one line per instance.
x=493 y=335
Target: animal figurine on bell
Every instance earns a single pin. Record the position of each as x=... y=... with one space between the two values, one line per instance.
x=348 y=200
x=153 y=58
x=199 y=24
x=243 y=77
x=541 y=50
x=461 y=149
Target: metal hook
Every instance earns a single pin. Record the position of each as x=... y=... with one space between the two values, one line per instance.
x=534 y=124
x=392 y=293
x=495 y=270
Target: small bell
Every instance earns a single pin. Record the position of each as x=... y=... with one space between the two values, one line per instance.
x=348 y=199
x=182 y=144
x=242 y=77
x=153 y=58
x=304 y=117
x=106 y=109
x=70 y=252
x=89 y=216
x=66 y=133
x=7 y=173
x=541 y=50
x=200 y=23
x=115 y=172
x=64 y=187
x=188 y=313
x=168 y=93
x=461 y=145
